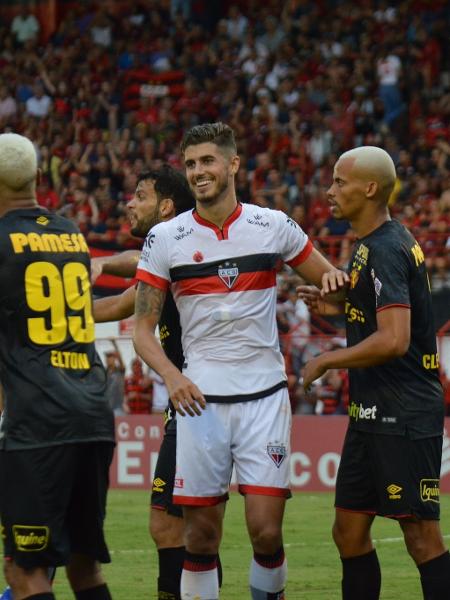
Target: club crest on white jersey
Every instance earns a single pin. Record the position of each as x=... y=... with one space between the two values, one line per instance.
x=228 y=274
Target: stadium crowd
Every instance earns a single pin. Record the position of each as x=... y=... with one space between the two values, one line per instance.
x=112 y=90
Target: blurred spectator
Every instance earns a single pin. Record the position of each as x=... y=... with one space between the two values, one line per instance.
x=25 y=26
x=8 y=106
x=38 y=105
x=388 y=70
x=115 y=379
x=138 y=391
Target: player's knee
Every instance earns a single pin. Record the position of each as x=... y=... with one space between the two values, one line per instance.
x=202 y=538
x=166 y=531
x=84 y=572
x=423 y=544
x=351 y=541
x=266 y=539
x=8 y=572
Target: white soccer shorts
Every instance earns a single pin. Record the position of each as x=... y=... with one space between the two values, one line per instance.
x=253 y=436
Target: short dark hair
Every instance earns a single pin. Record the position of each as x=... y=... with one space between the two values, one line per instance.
x=170 y=183
x=218 y=133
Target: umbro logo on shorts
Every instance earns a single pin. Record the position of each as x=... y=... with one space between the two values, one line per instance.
x=394 y=491
x=277 y=452
x=158 y=485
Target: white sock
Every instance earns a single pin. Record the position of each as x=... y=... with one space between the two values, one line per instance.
x=201 y=585
x=267 y=580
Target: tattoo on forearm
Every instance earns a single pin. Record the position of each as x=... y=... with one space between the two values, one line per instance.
x=149 y=301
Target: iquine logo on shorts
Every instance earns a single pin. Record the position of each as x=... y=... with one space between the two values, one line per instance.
x=30 y=539
x=277 y=452
x=429 y=490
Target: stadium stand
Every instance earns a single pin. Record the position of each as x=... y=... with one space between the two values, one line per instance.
x=107 y=89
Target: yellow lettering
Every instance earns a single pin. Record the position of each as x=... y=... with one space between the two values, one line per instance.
x=19 y=241
x=66 y=242
x=430 y=361
x=52 y=242
x=69 y=360
x=418 y=254
x=82 y=242
x=74 y=239
x=35 y=242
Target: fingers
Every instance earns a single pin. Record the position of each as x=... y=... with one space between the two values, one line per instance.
x=333 y=281
x=189 y=401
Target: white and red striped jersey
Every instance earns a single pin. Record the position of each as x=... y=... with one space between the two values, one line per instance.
x=224 y=285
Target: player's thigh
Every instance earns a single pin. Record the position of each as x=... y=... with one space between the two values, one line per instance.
x=35 y=494
x=166 y=530
x=261 y=445
x=355 y=482
x=264 y=516
x=164 y=476
x=87 y=509
x=204 y=461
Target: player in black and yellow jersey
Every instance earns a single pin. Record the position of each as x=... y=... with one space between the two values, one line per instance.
x=160 y=195
x=392 y=452
x=57 y=430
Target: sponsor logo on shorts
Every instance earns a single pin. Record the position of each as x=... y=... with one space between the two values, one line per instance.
x=179 y=482
x=277 y=452
x=358 y=412
x=429 y=490
x=394 y=491
x=158 y=485
x=30 y=539
x=228 y=274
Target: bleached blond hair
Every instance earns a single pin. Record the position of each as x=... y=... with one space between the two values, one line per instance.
x=18 y=161
x=373 y=163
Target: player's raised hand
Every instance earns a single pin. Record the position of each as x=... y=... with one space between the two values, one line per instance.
x=185 y=395
x=316 y=303
x=312 y=370
x=334 y=281
x=96 y=268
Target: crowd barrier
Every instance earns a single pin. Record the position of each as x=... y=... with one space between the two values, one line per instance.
x=316 y=444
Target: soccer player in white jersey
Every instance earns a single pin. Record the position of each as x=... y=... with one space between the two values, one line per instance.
x=220 y=262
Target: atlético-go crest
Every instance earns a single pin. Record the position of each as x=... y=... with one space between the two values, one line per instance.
x=228 y=273
x=277 y=452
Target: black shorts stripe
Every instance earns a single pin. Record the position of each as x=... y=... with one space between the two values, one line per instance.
x=245 y=397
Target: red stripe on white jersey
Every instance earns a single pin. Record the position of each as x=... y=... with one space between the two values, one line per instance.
x=153 y=280
x=300 y=258
x=259 y=280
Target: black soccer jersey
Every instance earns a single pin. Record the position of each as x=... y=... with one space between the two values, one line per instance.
x=403 y=395
x=53 y=379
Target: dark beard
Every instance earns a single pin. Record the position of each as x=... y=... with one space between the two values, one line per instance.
x=143 y=227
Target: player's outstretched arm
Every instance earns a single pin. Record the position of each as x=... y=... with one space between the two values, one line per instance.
x=316 y=303
x=122 y=265
x=185 y=395
x=115 y=308
x=317 y=270
x=390 y=340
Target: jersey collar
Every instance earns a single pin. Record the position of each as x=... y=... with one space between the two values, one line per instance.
x=222 y=234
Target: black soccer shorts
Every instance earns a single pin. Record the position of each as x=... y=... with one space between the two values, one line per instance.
x=164 y=477
x=390 y=475
x=53 y=501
